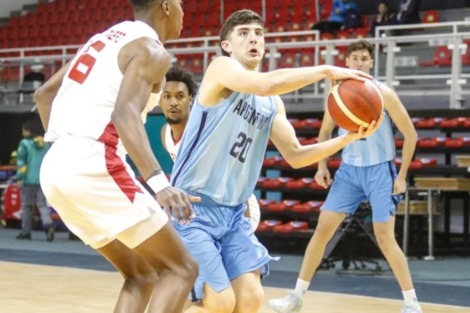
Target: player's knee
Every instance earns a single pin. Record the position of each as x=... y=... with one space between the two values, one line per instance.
x=142 y=280
x=384 y=237
x=223 y=302
x=189 y=270
x=250 y=300
x=323 y=232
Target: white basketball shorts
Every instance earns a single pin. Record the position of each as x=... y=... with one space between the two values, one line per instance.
x=96 y=194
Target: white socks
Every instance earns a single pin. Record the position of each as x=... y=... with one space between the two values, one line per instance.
x=301 y=287
x=410 y=297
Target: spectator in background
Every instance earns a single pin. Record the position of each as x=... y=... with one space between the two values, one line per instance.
x=409 y=12
x=32 y=81
x=385 y=17
x=344 y=14
x=31 y=152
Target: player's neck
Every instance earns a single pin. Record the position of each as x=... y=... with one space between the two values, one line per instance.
x=158 y=27
x=177 y=130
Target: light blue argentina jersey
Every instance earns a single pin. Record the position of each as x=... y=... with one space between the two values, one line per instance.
x=223 y=148
x=375 y=149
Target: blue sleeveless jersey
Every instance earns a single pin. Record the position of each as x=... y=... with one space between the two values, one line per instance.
x=223 y=148
x=375 y=149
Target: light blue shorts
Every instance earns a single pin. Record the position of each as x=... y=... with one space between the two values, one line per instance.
x=354 y=184
x=223 y=243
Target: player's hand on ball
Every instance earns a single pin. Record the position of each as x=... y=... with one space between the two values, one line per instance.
x=366 y=132
x=339 y=73
x=176 y=202
x=399 y=186
x=323 y=177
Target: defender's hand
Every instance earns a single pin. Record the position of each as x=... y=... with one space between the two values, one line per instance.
x=323 y=178
x=174 y=200
x=399 y=186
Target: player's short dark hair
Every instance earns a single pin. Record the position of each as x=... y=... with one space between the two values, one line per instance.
x=142 y=5
x=33 y=127
x=361 y=45
x=241 y=17
x=177 y=74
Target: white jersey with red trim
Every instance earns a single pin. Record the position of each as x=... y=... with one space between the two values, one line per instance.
x=170 y=144
x=87 y=97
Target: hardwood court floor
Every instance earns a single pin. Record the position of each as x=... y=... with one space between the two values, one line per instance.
x=26 y=288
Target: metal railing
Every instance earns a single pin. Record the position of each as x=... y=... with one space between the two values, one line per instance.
x=449 y=27
x=328 y=49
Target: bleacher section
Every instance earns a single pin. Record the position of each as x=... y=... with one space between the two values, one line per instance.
x=72 y=22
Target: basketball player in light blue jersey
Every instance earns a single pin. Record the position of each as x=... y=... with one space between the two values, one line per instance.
x=366 y=173
x=234 y=114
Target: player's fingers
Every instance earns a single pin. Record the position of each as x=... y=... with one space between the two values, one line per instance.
x=357 y=77
x=175 y=207
x=168 y=213
x=328 y=180
x=363 y=74
x=369 y=130
x=320 y=181
x=194 y=199
x=187 y=210
x=361 y=130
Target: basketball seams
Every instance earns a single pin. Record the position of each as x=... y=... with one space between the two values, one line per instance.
x=345 y=109
x=356 y=92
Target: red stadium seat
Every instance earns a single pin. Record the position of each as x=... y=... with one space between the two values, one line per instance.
x=263 y=203
x=277 y=182
x=455 y=122
x=431 y=16
x=282 y=206
x=429 y=123
x=458 y=143
x=300 y=183
x=269 y=162
x=307 y=207
x=291 y=227
x=268 y=225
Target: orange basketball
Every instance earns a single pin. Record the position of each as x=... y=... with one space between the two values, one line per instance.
x=353 y=103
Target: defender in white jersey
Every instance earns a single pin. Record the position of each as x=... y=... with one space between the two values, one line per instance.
x=92 y=110
x=235 y=112
x=175 y=101
x=366 y=173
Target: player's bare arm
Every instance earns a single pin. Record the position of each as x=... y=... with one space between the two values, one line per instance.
x=284 y=138
x=402 y=120
x=44 y=95
x=144 y=64
x=226 y=74
x=323 y=177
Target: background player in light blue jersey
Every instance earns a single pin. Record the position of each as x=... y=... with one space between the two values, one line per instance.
x=366 y=173
x=234 y=114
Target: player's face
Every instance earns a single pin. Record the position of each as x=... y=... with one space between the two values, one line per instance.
x=176 y=19
x=360 y=60
x=26 y=133
x=247 y=44
x=175 y=102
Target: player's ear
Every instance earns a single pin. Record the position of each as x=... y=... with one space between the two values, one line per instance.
x=372 y=63
x=166 y=7
x=190 y=100
x=226 y=46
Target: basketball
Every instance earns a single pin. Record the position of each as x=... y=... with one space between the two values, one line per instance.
x=353 y=103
